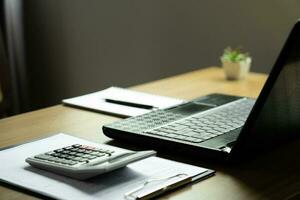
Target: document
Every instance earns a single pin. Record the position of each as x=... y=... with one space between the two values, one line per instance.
x=122 y=102
x=125 y=183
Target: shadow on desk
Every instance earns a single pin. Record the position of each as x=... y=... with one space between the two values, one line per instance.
x=271 y=175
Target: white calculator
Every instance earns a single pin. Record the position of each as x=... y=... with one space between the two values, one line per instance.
x=85 y=161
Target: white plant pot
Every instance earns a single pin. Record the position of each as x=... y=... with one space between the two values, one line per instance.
x=236 y=70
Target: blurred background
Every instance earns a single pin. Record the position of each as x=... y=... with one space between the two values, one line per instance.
x=56 y=49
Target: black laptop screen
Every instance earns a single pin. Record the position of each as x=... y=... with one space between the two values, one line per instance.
x=275 y=117
x=281 y=112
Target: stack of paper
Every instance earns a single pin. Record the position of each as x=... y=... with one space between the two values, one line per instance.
x=114 y=185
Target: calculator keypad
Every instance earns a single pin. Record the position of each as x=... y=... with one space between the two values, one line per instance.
x=74 y=154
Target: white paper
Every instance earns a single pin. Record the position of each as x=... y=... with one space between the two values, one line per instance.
x=96 y=101
x=113 y=185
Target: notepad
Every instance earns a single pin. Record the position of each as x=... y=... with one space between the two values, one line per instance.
x=115 y=185
x=106 y=101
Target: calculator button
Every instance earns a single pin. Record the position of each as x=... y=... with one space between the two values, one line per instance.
x=58 y=150
x=87 y=147
x=51 y=159
x=58 y=160
x=71 y=162
x=68 y=148
x=107 y=152
x=80 y=150
x=76 y=159
x=62 y=156
x=98 y=149
x=80 y=159
x=91 y=157
x=98 y=154
x=110 y=151
x=70 y=157
x=63 y=161
x=76 y=145
x=85 y=156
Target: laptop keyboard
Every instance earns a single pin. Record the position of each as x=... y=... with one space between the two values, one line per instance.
x=206 y=125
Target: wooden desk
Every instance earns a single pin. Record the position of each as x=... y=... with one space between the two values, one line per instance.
x=251 y=181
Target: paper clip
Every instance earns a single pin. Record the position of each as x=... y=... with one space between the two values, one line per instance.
x=166 y=184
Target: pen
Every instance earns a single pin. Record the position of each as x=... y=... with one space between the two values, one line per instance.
x=157 y=189
x=152 y=194
x=131 y=104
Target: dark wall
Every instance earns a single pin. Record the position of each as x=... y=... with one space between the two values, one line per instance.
x=78 y=46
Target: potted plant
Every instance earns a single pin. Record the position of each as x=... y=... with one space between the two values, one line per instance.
x=236 y=63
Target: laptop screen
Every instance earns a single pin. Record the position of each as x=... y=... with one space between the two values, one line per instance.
x=275 y=117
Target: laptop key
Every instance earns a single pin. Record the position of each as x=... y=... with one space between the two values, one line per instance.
x=213 y=132
x=162 y=133
x=181 y=137
x=171 y=135
x=179 y=127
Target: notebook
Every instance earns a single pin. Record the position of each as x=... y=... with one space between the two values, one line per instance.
x=122 y=102
x=224 y=126
x=119 y=184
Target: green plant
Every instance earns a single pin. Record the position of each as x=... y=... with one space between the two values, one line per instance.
x=234 y=55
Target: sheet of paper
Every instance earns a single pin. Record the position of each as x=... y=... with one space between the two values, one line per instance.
x=114 y=185
x=96 y=101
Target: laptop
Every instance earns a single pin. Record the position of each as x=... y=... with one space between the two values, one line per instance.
x=223 y=126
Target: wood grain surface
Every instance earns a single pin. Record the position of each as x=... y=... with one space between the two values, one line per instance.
x=271 y=176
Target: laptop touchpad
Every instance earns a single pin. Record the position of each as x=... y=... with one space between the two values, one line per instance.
x=190 y=108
